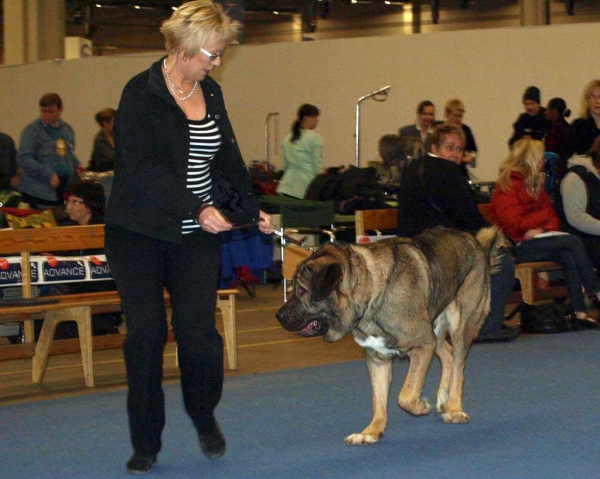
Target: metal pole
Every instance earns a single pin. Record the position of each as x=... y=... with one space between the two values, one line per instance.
x=267 y=138
x=381 y=91
x=357 y=136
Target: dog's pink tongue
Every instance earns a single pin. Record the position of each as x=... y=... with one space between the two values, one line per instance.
x=310 y=330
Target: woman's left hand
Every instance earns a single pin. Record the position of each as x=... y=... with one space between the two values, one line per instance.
x=264 y=223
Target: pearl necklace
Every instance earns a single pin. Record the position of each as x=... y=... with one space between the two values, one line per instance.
x=176 y=90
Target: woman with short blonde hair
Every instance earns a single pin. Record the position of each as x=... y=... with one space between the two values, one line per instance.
x=588 y=94
x=453 y=114
x=180 y=181
x=194 y=23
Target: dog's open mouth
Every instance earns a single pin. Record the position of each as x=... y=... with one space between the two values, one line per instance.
x=315 y=328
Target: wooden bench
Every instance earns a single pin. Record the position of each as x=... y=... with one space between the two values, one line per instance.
x=528 y=274
x=79 y=307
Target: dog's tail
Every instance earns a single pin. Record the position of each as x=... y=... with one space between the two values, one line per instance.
x=494 y=243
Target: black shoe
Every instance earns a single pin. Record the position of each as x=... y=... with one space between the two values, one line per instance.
x=139 y=464
x=506 y=334
x=212 y=441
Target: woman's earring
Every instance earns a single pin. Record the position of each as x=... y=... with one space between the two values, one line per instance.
x=184 y=58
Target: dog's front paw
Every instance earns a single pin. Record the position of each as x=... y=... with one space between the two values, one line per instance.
x=455 y=417
x=359 y=439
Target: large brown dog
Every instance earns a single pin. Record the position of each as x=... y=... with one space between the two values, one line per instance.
x=419 y=296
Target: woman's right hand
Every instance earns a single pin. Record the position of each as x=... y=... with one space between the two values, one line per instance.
x=210 y=219
x=530 y=234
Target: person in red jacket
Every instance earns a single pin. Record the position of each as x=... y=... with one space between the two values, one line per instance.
x=522 y=208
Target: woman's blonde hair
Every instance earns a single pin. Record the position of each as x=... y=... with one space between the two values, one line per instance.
x=587 y=92
x=194 y=23
x=527 y=158
x=454 y=104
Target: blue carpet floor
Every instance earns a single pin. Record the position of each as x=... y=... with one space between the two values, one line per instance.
x=533 y=406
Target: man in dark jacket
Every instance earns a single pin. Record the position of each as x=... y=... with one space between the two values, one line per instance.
x=533 y=122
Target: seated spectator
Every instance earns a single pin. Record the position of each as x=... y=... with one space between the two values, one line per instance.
x=9 y=176
x=580 y=191
x=302 y=154
x=584 y=130
x=453 y=114
x=85 y=205
x=391 y=152
x=532 y=123
x=103 y=155
x=522 y=208
x=421 y=131
x=434 y=192
x=556 y=112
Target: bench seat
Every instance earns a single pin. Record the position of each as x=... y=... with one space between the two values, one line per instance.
x=79 y=307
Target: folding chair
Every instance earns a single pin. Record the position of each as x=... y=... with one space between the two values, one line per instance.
x=300 y=217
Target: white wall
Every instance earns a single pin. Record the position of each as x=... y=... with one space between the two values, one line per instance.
x=487 y=69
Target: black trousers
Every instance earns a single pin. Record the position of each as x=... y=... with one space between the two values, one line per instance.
x=569 y=252
x=142 y=266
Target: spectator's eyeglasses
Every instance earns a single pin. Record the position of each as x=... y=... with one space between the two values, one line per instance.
x=74 y=202
x=213 y=56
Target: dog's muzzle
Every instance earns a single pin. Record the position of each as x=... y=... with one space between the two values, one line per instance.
x=298 y=325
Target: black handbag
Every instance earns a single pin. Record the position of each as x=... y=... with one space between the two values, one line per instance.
x=551 y=318
x=545 y=318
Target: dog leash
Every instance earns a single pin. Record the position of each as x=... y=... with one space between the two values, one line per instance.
x=286 y=238
x=289 y=239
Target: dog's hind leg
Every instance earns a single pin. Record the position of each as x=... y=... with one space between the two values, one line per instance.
x=444 y=352
x=380 y=372
x=410 y=396
x=452 y=411
x=470 y=314
x=445 y=321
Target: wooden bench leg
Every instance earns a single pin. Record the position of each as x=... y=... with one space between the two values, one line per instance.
x=83 y=317
x=29 y=331
x=525 y=277
x=227 y=307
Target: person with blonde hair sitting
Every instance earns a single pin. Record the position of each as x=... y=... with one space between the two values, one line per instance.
x=522 y=208
x=585 y=129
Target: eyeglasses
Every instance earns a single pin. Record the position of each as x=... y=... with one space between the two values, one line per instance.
x=74 y=202
x=213 y=56
x=594 y=97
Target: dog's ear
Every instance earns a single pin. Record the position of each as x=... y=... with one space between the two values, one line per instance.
x=324 y=280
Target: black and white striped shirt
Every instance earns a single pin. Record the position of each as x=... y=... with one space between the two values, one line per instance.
x=205 y=140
